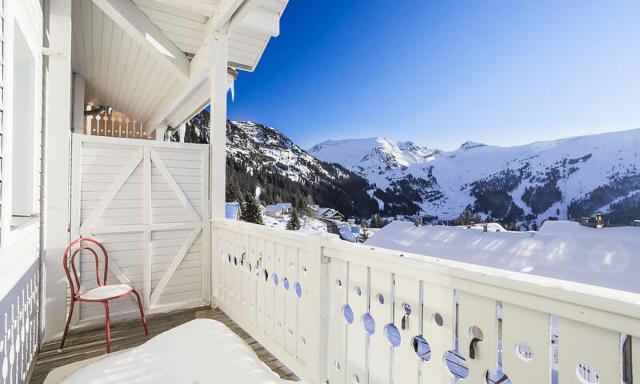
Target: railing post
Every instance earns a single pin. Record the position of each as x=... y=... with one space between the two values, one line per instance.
x=319 y=368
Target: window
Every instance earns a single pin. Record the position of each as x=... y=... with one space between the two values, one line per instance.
x=22 y=183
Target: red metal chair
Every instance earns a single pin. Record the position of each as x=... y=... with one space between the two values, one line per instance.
x=103 y=293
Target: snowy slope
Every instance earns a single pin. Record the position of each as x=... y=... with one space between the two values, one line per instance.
x=566 y=178
x=247 y=139
x=262 y=160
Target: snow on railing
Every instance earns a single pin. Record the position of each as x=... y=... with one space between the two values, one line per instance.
x=348 y=313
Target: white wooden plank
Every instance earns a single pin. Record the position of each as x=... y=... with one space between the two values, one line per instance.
x=291 y=300
x=407 y=300
x=312 y=290
x=438 y=330
x=146 y=271
x=223 y=264
x=526 y=344
x=269 y=294
x=260 y=285
x=169 y=179
x=381 y=309
x=247 y=281
x=476 y=311
x=174 y=265
x=337 y=350
x=115 y=187
x=205 y=183
x=592 y=351
x=206 y=258
x=76 y=199
x=357 y=338
x=251 y=278
x=279 y=295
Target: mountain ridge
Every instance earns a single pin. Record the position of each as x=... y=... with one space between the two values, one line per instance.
x=522 y=185
x=565 y=178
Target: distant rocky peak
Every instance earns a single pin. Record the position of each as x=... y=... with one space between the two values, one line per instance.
x=467 y=145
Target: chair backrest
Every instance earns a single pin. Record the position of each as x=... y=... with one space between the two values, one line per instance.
x=69 y=265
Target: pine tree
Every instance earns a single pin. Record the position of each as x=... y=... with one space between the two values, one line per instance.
x=377 y=222
x=251 y=211
x=366 y=234
x=294 y=222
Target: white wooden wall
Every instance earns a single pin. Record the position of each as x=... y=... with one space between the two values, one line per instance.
x=355 y=297
x=147 y=201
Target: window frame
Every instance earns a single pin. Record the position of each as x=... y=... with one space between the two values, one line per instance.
x=16 y=15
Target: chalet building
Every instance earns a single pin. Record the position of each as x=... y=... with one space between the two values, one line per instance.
x=89 y=88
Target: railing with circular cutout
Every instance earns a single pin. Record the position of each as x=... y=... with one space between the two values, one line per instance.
x=453 y=327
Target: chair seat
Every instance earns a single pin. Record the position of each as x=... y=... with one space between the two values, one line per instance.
x=106 y=292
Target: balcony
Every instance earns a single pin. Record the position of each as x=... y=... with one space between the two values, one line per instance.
x=311 y=306
x=347 y=313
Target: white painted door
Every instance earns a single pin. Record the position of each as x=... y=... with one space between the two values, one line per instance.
x=148 y=202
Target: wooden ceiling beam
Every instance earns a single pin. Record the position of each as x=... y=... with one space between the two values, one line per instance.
x=142 y=30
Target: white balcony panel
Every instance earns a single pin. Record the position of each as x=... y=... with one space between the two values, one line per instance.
x=438 y=320
x=526 y=352
x=479 y=313
x=289 y=279
x=280 y=298
x=358 y=299
x=338 y=299
x=259 y=290
x=587 y=351
x=381 y=309
x=407 y=312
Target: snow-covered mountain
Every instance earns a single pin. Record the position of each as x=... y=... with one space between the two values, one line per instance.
x=376 y=158
x=247 y=141
x=566 y=178
x=262 y=158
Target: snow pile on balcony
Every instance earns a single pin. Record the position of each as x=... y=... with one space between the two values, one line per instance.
x=564 y=250
x=200 y=351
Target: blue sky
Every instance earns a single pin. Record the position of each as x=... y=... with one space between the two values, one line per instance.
x=443 y=72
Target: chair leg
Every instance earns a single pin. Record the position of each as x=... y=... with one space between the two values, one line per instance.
x=142 y=316
x=66 y=327
x=107 y=325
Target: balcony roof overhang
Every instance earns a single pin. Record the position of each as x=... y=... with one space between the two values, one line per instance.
x=150 y=58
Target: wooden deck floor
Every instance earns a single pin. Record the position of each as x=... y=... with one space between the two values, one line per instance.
x=85 y=344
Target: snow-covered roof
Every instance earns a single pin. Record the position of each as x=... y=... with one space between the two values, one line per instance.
x=328 y=212
x=565 y=250
x=277 y=207
x=491 y=227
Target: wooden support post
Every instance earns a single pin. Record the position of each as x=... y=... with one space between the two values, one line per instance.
x=57 y=165
x=218 y=55
x=219 y=51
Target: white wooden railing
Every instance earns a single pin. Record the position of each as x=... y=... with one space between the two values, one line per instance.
x=348 y=313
